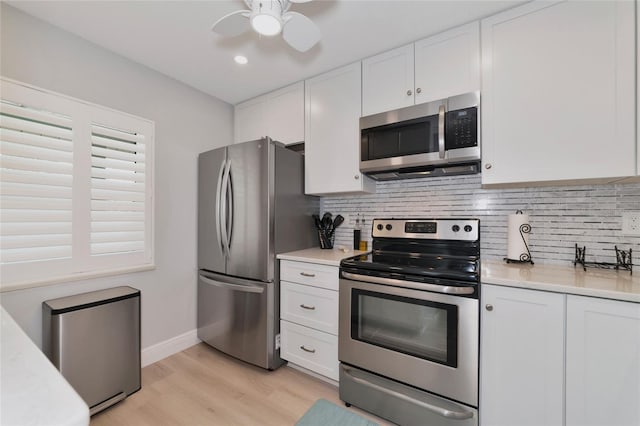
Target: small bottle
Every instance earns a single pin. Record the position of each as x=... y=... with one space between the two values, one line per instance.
x=356 y=234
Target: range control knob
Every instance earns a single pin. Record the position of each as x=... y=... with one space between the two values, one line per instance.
x=389 y=227
x=468 y=228
x=379 y=227
x=455 y=228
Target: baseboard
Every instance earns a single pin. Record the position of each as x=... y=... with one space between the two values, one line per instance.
x=169 y=347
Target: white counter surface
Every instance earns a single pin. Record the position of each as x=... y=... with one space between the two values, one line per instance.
x=330 y=257
x=33 y=390
x=610 y=284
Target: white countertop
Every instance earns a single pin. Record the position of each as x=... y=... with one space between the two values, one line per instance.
x=610 y=284
x=33 y=390
x=331 y=257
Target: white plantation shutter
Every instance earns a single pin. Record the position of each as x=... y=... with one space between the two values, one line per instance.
x=76 y=193
x=117 y=191
x=36 y=168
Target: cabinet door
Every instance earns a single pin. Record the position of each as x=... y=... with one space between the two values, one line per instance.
x=603 y=362
x=558 y=92
x=285 y=114
x=387 y=81
x=332 y=146
x=521 y=357
x=448 y=64
x=249 y=120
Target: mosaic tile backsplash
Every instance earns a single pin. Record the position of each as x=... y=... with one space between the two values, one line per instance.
x=560 y=216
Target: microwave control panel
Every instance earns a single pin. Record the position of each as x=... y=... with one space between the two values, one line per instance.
x=461 y=128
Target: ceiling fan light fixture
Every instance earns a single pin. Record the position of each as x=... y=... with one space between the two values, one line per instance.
x=266 y=23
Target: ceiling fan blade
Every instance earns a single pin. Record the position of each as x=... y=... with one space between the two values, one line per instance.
x=299 y=31
x=233 y=24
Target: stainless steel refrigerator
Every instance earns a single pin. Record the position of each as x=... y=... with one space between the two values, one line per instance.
x=251 y=207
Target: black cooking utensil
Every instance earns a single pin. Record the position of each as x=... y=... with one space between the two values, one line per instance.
x=326 y=221
x=336 y=222
x=317 y=221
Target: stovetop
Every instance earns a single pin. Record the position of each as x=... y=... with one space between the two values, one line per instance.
x=424 y=250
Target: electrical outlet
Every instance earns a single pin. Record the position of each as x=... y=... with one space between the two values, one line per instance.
x=631 y=223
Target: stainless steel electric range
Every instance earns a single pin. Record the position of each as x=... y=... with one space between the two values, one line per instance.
x=409 y=322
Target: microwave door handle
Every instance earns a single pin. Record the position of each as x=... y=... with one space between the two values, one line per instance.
x=441 y=131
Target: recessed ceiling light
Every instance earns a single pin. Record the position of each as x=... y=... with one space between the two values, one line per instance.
x=242 y=60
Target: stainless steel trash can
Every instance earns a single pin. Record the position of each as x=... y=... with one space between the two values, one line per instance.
x=94 y=340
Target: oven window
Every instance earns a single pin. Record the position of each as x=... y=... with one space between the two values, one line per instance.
x=424 y=329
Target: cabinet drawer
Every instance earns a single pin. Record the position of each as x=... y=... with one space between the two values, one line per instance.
x=309 y=306
x=311 y=349
x=310 y=274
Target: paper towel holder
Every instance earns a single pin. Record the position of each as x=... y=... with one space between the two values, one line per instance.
x=525 y=228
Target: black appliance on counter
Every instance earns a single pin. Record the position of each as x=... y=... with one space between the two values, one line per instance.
x=409 y=322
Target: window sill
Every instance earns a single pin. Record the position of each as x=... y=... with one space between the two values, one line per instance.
x=74 y=277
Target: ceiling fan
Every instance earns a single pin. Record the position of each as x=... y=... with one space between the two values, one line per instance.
x=271 y=17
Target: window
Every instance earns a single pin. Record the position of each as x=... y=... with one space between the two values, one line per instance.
x=76 y=188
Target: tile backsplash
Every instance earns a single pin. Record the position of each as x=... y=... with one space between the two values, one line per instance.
x=560 y=216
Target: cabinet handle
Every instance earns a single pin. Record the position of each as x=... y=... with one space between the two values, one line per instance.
x=311 y=351
x=356 y=177
x=409 y=93
x=487 y=166
x=311 y=308
x=489 y=307
x=305 y=274
x=418 y=90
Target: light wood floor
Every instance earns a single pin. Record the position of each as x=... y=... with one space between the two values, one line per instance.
x=201 y=386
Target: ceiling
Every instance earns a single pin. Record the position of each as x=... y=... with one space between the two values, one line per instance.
x=175 y=37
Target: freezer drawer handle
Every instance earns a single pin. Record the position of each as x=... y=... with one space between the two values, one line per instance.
x=455 y=415
x=311 y=351
x=239 y=287
x=311 y=308
x=306 y=274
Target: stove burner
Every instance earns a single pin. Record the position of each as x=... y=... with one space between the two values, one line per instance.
x=436 y=251
x=623 y=260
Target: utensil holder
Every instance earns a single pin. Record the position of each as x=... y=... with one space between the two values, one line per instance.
x=326 y=239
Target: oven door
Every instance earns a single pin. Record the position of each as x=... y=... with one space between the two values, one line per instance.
x=424 y=339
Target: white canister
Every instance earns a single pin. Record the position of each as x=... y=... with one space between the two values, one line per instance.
x=518 y=229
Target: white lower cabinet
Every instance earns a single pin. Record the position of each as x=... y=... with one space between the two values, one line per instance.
x=521 y=357
x=309 y=316
x=603 y=362
x=309 y=348
x=524 y=366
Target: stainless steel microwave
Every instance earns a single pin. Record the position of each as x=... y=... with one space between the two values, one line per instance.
x=431 y=139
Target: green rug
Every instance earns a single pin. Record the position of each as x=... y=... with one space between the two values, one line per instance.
x=324 y=413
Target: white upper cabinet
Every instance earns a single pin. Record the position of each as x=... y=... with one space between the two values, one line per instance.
x=448 y=63
x=558 y=87
x=444 y=65
x=278 y=114
x=249 y=120
x=332 y=145
x=387 y=81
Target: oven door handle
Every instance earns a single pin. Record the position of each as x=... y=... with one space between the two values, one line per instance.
x=449 y=414
x=446 y=289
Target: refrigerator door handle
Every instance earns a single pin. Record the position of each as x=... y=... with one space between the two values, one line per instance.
x=223 y=208
x=238 y=284
x=230 y=201
x=219 y=208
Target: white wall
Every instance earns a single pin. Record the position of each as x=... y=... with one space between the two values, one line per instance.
x=187 y=123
